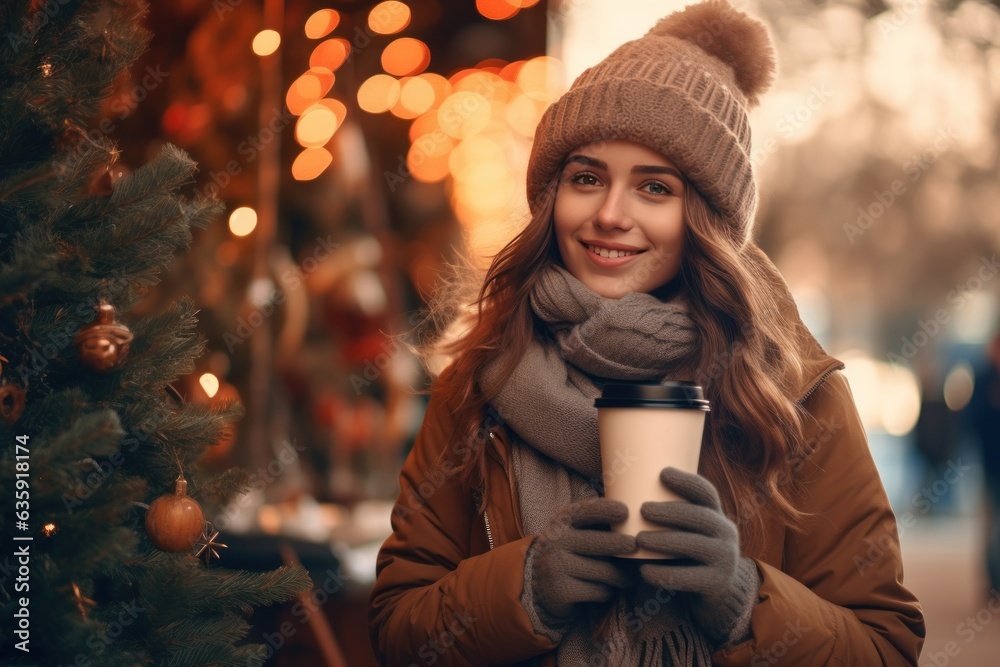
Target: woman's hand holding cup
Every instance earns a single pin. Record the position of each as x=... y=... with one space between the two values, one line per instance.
x=723 y=585
x=569 y=563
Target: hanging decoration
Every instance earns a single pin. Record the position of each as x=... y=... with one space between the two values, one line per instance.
x=103 y=345
x=11 y=398
x=208 y=545
x=104 y=178
x=175 y=521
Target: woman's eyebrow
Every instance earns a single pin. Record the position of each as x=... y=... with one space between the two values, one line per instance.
x=657 y=169
x=588 y=161
x=638 y=169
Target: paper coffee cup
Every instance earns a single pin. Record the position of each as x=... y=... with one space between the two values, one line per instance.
x=643 y=429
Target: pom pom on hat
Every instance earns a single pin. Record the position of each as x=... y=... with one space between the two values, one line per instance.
x=741 y=42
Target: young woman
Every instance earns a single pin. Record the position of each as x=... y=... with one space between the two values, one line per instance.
x=638 y=265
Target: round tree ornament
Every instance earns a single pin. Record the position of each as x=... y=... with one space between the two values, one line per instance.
x=175 y=521
x=103 y=344
x=11 y=398
x=11 y=403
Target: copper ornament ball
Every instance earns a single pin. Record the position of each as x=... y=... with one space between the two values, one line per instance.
x=175 y=521
x=11 y=403
x=103 y=345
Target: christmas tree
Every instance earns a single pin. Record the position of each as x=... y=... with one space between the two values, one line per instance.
x=92 y=571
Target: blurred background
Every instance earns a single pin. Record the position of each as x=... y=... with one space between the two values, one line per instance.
x=359 y=145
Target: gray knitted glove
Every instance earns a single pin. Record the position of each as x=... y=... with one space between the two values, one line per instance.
x=722 y=583
x=568 y=564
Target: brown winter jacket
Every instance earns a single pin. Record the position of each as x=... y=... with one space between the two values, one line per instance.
x=449 y=580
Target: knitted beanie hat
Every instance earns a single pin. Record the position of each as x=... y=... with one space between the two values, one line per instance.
x=683 y=89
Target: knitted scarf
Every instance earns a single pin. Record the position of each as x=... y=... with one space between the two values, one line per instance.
x=549 y=402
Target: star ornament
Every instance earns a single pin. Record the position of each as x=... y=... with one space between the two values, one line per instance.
x=208 y=547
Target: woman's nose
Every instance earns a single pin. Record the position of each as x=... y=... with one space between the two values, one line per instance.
x=613 y=212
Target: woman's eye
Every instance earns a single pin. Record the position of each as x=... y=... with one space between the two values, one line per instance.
x=657 y=188
x=583 y=178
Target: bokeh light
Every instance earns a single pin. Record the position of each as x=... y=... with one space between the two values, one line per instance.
x=887 y=395
x=242 y=221
x=427 y=159
x=899 y=403
x=322 y=23
x=477 y=160
x=425 y=124
x=330 y=54
x=498 y=10
x=487 y=84
x=958 y=386
x=387 y=18
x=416 y=95
x=337 y=107
x=310 y=163
x=405 y=56
x=523 y=114
x=464 y=114
x=306 y=90
x=511 y=70
x=266 y=42
x=378 y=93
x=316 y=126
x=210 y=384
x=539 y=77
x=441 y=86
x=476 y=136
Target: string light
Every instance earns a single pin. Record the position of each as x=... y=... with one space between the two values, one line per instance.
x=308 y=89
x=316 y=126
x=242 y=221
x=266 y=42
x=337 y=107
x=330 y=54
x=406 y=56
x=322 y=23
x=498 y=10
x=378 y=93
x=310 y=163
x=210 y=384
x=388 y=18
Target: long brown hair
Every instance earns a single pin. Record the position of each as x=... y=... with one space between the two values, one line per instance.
x=753 y=431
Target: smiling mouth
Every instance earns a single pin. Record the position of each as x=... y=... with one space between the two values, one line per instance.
x=611 y=254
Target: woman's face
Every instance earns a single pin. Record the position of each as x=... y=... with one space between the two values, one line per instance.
x=625 y=201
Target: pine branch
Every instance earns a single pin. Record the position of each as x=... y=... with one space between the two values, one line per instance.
x=227 y=485
x=245 y=590
x=165 y=345
x=94 y=434
x=211 y=654
x=64 y=69
x=199 y=630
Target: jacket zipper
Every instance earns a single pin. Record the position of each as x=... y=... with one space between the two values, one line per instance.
x=819 y=382
x=489 y=533
x=486 y=515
